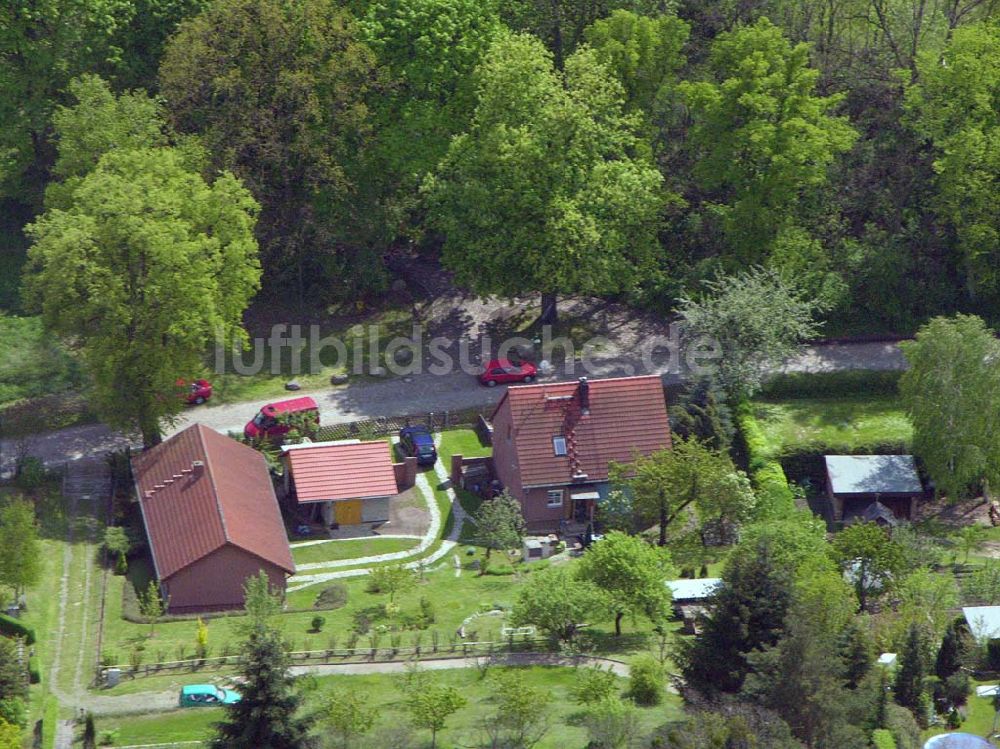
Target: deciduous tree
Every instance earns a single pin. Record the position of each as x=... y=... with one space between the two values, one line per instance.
x=522 y=711
x=762 y=136
x=277 y=91
x=349 y=715
x=546 y=192
x=757 y=319
x=499 y=523
x=391 y=579
x=631 y=573
x=952 y=396
x=20 y=553
x=428 y=703
x=870 y=559
x=557 y=602
x=146 y=266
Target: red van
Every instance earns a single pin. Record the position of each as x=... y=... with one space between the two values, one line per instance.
x=272 y=419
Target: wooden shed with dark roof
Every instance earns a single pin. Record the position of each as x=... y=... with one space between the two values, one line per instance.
x=553 y=443
x=212 y=519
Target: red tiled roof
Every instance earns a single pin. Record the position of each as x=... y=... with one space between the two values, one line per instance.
x=627 y=415
x=191 y=511
x=348 y=471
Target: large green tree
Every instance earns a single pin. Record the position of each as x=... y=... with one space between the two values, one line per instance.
x=631 y=573
x=277 y=90
x=645 y=54
x=43 y=45
x=430 y=703
x=20 y=552
x=762 y=136
x=499 y=524
x=870 y=559
x=956 y=107
x=146 y=266
x=547 y=191
x=557 y=601
x=428 y=50
x=757 y=319
x=952 y=396
x=688 y=486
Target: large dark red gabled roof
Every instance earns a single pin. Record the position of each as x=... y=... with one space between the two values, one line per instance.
x=627 y=415
x=191 y=510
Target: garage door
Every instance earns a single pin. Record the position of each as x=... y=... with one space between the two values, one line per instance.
x=348 y=512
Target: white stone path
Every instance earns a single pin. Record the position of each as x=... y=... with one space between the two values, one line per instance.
x=459 y=516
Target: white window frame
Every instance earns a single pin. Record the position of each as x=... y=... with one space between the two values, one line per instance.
x=556 y=441
x=551 y=493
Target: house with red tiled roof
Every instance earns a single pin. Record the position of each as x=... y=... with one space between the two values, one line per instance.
x=347 y=482
x=212 y=519
x=552 y=443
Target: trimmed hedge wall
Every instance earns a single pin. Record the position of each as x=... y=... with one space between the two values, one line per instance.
x=11 y=627
x=832 y=384
x=774 y=496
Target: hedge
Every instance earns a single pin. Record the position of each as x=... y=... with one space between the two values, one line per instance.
x=774 y=496
x=34 y=674
x=883 y=739
x=11 y=627
x=832 y=384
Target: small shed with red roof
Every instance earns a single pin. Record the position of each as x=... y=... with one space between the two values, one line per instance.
x=212 y=519
x=552 y=443
x=345 y=483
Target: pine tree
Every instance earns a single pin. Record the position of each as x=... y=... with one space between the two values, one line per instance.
x=950 y=654
x=856 y=652
x=909 y=684
x=701 y=412
x=747 y=614
x=266 y=715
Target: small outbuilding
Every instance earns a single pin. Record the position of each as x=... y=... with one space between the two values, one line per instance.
x=983 y=621
x=212 y=520
x=344 y=483
x=690 y=598
x=881 y=489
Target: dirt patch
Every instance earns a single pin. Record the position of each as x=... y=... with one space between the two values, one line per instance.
x=973 y=511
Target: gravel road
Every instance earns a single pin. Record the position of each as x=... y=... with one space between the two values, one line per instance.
x=422 y=393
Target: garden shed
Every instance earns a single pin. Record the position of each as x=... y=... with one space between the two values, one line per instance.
x=872 y=488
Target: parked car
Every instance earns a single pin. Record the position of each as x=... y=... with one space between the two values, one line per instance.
x=503 y=371
x=207 y=695
x=275 y=420
x=418 y=442
x=196 y=392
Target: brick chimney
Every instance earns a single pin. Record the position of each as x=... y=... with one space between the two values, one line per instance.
x=583 y=389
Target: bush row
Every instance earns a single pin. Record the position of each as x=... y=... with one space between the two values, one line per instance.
x=832 y=384
x=11 y=627
x=774 y=496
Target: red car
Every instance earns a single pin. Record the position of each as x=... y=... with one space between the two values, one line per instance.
x=275 y=419
x=196 y=393
x=503 y=371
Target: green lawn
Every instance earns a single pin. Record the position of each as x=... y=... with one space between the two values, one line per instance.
x=362 y=547
x=844 y=424
x=463 y=442
x=381 y=690
x=979 y=720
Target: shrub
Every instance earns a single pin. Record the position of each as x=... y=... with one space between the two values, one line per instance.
x=427 y=612
x=11 y=627
x=957 y=688
x=333 y=597
x=34 y=671
x=882 y=739
x=317 y=623
x=121 y=566
x=30 y=473
x=108 y=737
x=593 y=684
x=646 y=681
x=954 y=720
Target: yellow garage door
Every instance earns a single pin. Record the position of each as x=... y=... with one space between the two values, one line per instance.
x=348 y=512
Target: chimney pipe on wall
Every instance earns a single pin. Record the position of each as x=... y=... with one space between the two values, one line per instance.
x=584 y=390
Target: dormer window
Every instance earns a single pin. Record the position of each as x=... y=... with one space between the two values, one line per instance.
x=559 y=445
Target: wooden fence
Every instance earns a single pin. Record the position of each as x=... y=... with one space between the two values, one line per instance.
x=384 y=426
x=522 y=643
